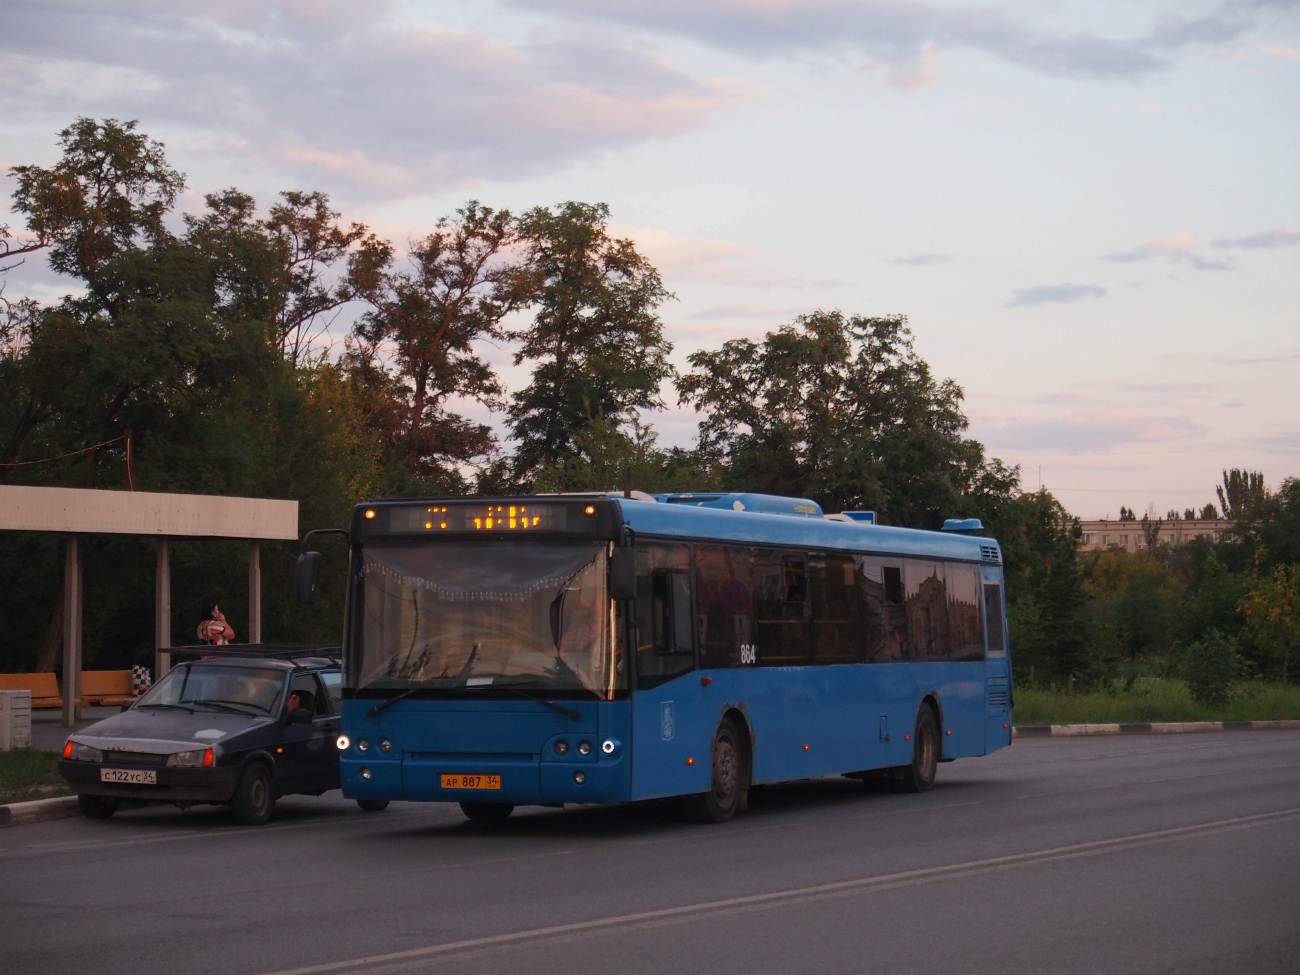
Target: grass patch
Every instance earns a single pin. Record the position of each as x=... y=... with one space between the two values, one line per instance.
x=27 y=774
x=1152 y=700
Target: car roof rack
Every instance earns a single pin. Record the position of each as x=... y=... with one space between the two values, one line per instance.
x=266 y=651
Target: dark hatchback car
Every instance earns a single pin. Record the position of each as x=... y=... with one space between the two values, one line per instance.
x=238 y=725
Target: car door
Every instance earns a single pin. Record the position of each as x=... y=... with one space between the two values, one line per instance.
x=310 y=760
x=329 y=721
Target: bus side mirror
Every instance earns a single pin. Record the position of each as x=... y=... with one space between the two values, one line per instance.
x=305 y=576
x=622 y=573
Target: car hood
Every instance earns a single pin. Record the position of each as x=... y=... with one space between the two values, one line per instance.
x=164 y=731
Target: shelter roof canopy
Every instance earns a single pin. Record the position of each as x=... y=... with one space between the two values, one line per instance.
x=83 y=511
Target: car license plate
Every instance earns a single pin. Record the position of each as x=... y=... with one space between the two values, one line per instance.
x=129 y=776
x=471 y=781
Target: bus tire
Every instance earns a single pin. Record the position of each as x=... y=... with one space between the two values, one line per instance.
x=919 y=775
x=487 y=812
x=96 y=807
x=372 y=805
x=254 y=798
x=728 y=779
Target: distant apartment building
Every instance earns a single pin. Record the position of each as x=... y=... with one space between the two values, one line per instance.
x=1128 y=534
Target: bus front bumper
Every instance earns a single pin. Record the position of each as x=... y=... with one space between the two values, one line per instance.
x=516 y=780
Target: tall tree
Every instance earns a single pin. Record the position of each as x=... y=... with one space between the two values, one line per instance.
x=1048 y=628
x=322 y=266
x=843 y=410
x=596 y=340
x=1242 y=494
x=108 y=193
x=462 y=282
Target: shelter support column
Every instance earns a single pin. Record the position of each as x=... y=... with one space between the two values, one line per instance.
x=72 y=595
x=255 y=592
x=162 y=625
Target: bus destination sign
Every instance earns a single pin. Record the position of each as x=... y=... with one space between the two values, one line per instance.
x=485 y=517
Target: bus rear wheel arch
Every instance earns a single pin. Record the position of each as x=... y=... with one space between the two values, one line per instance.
x=730 y=773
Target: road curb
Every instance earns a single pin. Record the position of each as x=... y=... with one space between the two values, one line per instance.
x=21 y=813
x=1147 y=728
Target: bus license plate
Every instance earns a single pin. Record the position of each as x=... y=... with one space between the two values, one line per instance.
x=471 y=781
x=129 y=776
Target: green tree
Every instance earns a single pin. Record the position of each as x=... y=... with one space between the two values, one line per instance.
x=842 y=410
x=596 y=340
x=612 y=457
x=321 y=266
x=107 y=194
x=177 y=339
x=1272 y=612
x=460 y=286
x=1211 y=667
x=1242 y=494
x=1046 y=599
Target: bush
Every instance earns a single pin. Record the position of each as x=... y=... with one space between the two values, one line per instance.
x=1211 y=667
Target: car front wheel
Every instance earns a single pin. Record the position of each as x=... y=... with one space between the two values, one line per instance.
x=97 y=807
x=254 y=799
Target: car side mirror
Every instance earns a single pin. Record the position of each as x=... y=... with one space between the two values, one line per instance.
x=622 y=573
x=299 y=716
x=305 y=575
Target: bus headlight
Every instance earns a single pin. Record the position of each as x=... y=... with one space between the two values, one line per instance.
x=344 y=742
x=608 y=746
x=584 y=748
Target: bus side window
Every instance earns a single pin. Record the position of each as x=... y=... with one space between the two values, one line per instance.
x=833 y=589
x=884 y=613
x=993 y=619
x=724 y=604
x=927 y=609
x=963 y=582
x=672 y=612
x=783 y=608
x=665 y=646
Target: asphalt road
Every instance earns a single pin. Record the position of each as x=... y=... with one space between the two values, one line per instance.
x=1172 y=853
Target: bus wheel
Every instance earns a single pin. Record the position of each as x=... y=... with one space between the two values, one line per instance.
x=372 y=805
x=487 y=812
x=723 y=799
x=919 y=776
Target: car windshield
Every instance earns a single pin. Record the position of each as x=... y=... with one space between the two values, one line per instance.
x=247 y=690
x=461 y=617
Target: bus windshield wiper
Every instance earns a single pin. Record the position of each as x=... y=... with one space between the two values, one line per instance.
x=517 y=692
x=401 y=694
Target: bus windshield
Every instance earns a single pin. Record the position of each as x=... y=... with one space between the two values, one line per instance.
x=464 y=618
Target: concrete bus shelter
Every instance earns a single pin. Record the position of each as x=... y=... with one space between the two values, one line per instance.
x=74 y=512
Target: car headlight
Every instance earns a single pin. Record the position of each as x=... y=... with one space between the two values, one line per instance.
x=195 y=759
x=84 y=753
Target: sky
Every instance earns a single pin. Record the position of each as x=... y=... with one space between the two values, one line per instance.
x=1088 y=211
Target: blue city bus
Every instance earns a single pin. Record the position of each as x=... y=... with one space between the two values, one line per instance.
x=561 y=649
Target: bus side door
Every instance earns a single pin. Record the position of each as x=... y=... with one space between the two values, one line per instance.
x=997 y=665
x=671 y=747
